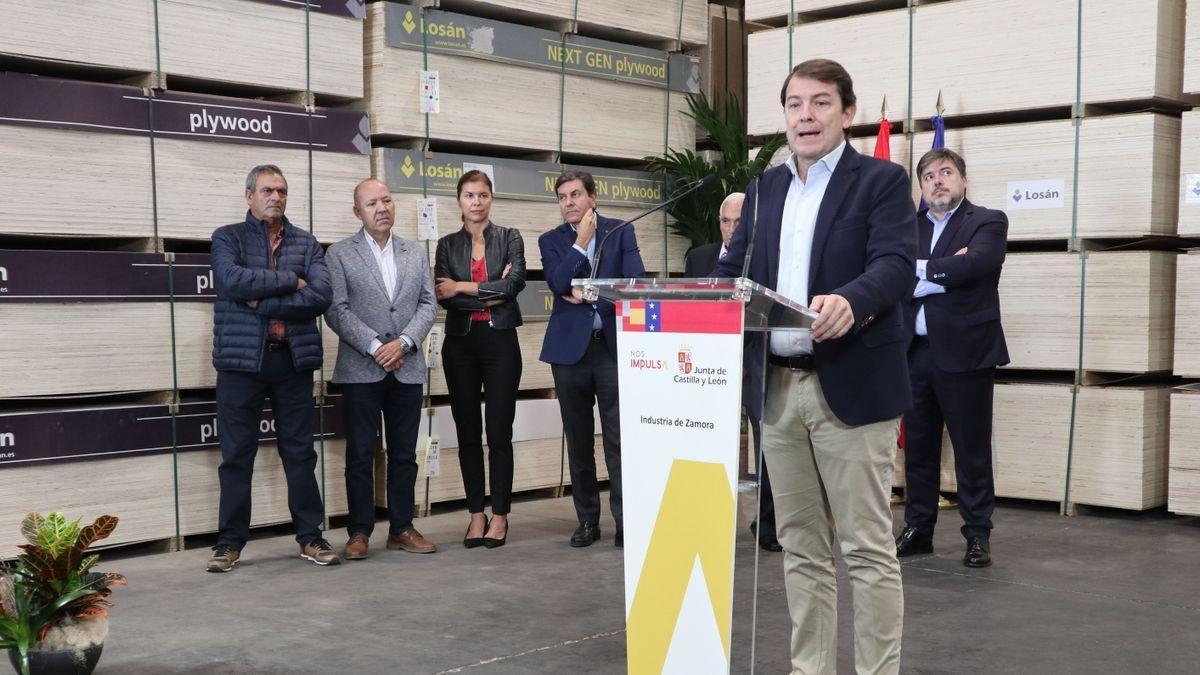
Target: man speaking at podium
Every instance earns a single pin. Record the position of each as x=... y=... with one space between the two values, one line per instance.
x=835 y=230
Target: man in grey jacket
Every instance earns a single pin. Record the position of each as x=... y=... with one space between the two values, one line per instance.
x=383 y=307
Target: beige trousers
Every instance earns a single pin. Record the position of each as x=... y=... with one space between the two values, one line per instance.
x=833 y=481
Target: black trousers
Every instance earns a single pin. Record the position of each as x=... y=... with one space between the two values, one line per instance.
x=766 y=507
x=240 y=398
x=579 y=386
x=490 y=360
x=963 y=403
x=400 y=405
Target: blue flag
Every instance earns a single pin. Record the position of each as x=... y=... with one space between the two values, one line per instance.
x=939 y=141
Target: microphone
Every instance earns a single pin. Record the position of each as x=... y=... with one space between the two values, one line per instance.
x=703 y=183
x=753 y=228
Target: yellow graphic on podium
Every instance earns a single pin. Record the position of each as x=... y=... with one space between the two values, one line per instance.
x=696 y=512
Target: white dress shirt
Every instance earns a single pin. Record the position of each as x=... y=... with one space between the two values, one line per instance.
x=385 y=258
x=795 y=243
x=924 y=286
x=590 y=254
x=724 y=250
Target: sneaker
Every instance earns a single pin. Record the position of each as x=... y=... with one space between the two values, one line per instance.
x=223 y=558
x=320 y=552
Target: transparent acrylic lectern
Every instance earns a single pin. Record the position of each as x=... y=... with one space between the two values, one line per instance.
x=680 y=348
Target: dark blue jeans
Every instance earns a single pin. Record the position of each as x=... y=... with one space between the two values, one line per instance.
x=240 y=398
x=592 y=381
x=400 y=405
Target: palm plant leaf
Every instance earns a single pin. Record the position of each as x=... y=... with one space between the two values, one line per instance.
x=696 y=215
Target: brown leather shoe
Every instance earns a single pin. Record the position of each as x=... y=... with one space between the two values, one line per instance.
x=356 y=548
x=410 y=540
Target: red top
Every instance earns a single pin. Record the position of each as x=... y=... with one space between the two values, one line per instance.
x=479 y=275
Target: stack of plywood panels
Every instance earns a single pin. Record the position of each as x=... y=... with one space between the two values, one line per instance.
x=1129 y=310
x=120 y=459
x=613 y=100
x=872 y=47
x=210 y=40
x=1183 y=481
x=1119 y=456
x=1030 y=434
x=1189 y=175
x=111 y=312
x=1191 y=51
x=524 y=198
x=1187 y=324
x=1131 y=50
x=775 y=10
x=1127 y=170
x=94 y=137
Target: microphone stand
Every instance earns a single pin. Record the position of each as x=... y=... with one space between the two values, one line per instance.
x=590 y=293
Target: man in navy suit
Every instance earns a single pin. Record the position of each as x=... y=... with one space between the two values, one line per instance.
x=834 y=231
x=581 y=343
x=957 y=342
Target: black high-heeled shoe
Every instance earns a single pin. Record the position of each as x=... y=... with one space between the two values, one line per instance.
x=475 y=542
x=492 y=542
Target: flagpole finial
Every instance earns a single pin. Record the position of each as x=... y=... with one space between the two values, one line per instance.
x=940 y=108
x=883 y=111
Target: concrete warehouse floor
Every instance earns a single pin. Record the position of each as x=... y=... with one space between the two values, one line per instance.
x=1107 y=592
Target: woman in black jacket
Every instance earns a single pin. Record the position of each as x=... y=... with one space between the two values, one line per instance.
x=480 y=269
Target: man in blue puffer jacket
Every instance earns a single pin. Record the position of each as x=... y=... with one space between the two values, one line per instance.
x=272 y=283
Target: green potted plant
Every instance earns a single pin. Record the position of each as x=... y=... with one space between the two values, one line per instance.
x=696 y=214
x=52 y=605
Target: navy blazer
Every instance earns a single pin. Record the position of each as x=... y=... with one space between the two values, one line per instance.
x=863 y=249
x=700 y=261
x=964 y=322
x=570 y=327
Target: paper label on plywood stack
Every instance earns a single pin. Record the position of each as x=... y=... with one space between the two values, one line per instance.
x=441 y=32
x=411 y=171
x=427 y=228
x=28 y=100
x=431 y=93
x=433 y=347
x=1191 y=188
x=1026 y=195
x=433 y=455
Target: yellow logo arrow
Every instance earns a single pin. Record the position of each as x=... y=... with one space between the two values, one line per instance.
x=683 y=531
x=408 y=22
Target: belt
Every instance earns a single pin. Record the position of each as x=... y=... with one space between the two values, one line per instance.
x=276 y=346
x=801 y=362
x=598 y=335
